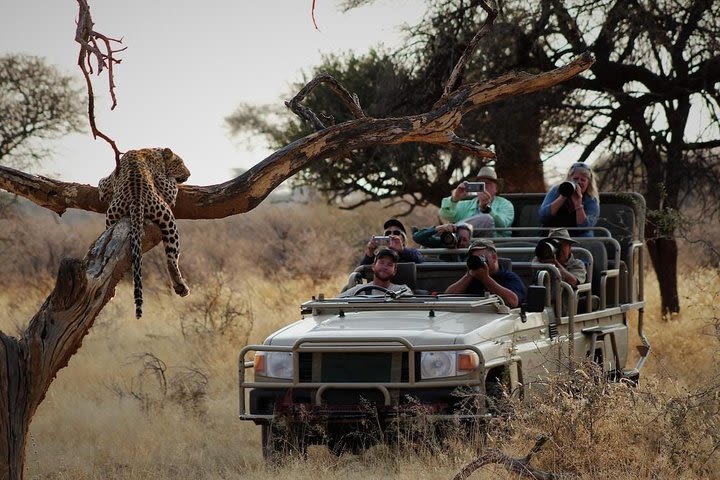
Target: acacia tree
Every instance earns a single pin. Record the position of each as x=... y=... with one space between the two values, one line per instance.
x=408 y=81
x=38 y=103
x=657 y=66
x=657 y=61
x=28 y=364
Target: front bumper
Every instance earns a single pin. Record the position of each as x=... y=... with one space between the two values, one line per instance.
x=316 y=397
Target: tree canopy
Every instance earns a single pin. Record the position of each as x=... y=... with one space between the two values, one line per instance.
x=38 y=103
x=657 y=68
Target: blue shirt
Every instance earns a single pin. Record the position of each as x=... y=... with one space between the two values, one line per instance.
x=505 y=278
x=567 y=218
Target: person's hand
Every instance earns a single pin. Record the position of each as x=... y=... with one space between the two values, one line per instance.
x=482 y=273
x=448 y=227
x=396 y=243
x=371 y=247
x=484 y=200
x=576 y=197
x=459 y=193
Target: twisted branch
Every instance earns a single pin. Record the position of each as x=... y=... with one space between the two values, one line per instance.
x=89 y=48
x=456 y=76
x=521 y=466
x=350 y=100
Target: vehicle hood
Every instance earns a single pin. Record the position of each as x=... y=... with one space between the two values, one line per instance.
x=418 y=327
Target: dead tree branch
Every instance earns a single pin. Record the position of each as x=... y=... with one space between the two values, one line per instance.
x=90 y=41
x=350 y=100
x=30 y=363
x=245 y=192
x=456 y=76
x=521 y=466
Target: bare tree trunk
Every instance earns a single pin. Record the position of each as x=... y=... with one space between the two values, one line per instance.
x=30 y=363
x=664 y=255
x=518 y=149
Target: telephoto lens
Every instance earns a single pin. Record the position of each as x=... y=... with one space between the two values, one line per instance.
x=476 y=261
x=567 y=188
x=546 y=249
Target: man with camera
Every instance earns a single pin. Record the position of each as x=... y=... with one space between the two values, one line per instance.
x=485 y=275
x=556 y=250
x=486 y=210
x=450 y=235
x=395 y=238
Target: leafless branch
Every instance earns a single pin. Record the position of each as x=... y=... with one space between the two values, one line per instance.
x=456 y=76
x=350 y=100
x=521 y=466
x=249 y=189
x=90 y=42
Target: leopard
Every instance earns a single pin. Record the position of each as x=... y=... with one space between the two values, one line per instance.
x=144 y=185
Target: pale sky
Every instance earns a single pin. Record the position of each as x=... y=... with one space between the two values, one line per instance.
x=187 y=66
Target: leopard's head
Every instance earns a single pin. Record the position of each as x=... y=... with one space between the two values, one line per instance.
x=174 y=166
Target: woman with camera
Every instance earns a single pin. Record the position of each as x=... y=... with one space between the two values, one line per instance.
x=573 y=203
x=484 y=274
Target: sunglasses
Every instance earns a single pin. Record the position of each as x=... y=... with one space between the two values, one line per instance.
x=393 y=232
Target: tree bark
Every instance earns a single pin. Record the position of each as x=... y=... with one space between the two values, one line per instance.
x=247 y=191
x=30 y=363
x=664 y=255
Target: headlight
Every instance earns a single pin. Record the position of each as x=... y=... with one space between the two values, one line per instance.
x=274 y=364
x=443 y=363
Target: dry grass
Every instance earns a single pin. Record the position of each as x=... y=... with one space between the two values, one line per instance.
x=157 y=398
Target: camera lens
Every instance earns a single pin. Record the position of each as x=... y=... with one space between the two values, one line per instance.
x=546 y=249
x=567 y=188
x=449 y=239
x=475 y=261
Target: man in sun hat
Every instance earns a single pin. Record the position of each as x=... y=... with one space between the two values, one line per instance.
x=572 y=270
x=487 y=276
x=485 y=211
x=394 y=229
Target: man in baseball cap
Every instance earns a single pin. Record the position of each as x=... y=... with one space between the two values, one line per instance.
x=394 y=229
x=484 y=275
x=384 y=268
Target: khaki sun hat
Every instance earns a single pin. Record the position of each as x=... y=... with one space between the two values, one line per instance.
x=561 y=234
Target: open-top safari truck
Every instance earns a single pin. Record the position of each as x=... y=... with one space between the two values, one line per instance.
x=378 y=360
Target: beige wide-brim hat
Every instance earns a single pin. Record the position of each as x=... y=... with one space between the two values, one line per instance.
x=487 y=173
x=561 y=234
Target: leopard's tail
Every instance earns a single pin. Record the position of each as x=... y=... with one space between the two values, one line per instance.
x=137 y=229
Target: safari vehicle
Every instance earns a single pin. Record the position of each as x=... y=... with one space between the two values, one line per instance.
x=381 y=360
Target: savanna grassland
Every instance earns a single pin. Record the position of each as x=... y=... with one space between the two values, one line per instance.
x=156 y=398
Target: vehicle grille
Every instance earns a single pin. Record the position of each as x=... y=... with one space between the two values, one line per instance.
x=354 y=367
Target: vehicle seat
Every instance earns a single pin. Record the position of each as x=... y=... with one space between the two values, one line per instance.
x=406 y=274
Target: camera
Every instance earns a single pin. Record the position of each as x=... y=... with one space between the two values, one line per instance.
x=381 y=240
x=475 y=186
x=567 y=188
x=547 y=249
x=449 y=239
x=476 y=261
